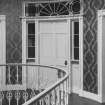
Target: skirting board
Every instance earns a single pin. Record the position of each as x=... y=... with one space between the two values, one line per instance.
x=91 y=96
x=76 y=90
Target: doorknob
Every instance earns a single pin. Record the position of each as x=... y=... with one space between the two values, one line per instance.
x=65 y=62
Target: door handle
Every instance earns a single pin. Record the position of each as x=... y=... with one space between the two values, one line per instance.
x=65 y=62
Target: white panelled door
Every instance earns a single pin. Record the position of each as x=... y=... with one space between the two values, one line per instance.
x=54 y=47
x=54 y=43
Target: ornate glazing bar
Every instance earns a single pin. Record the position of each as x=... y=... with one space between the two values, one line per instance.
x=52 y=8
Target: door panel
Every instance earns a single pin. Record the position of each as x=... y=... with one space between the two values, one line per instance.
x=61 y=49
x=46 y=27
x=53 y=36
x=75 y=78
x=54 y=42
x=60 y=26
x=47 y=43
x=62 y=44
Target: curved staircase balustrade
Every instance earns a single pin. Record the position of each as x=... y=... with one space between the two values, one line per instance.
x=57 y=94
x=48 y=92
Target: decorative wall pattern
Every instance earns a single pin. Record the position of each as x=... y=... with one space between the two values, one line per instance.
x=16 y=97
x=12 y=9
x=90 y=76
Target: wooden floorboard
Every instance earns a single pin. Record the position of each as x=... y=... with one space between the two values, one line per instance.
x=74 y=99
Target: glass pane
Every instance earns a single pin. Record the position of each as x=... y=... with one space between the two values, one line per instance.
x=75 y=7
x=31 y=28
x=31 y=40
x=31 y=52
x=31 y=9
x=76 y=27
x=76 y=53
x=20 y=74
x=76 y=40
x=63 y=8
x=53 y=8
x=26 y=10
x=43 y=9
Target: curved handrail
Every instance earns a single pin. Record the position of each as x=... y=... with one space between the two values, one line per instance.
x=58 y=84
x=34 y=99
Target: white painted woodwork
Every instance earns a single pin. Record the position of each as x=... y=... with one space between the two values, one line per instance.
x=53 y=42
x=100 y=97
x=75 y=78
x=52 y=49
x=32 y=78
x=101 y=55
x=47 y=43
x=47 y=77
x=53 y=45
x=24 y=52
x=2 y=49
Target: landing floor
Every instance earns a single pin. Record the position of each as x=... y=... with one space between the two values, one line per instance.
x=74 y=99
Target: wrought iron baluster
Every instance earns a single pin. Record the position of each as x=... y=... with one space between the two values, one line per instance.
x=67 y=87
x=17 y=69
x=49 y=99
x=59 y=95
x=17 y=96
x=25 y=96
x=42 y=101
x=57 y=100
x=1 y=97
x=9 y=75
x=9 y=96
x=63 y=94
x=53 y=95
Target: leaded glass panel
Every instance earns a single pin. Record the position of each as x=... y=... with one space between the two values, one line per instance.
x=53 y=8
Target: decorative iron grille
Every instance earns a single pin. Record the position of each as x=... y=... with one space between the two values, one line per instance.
x=13 y=74
x=52 y=8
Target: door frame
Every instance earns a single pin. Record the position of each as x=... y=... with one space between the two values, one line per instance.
x=69 y=19
x=3 y=51
x=53 y=19
x=100 y=57
x=37 y=20
x=97 y=97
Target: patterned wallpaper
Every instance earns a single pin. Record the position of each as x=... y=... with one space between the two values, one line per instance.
x=12 y=9
x=90 y=76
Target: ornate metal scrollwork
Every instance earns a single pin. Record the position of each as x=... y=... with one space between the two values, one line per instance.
x=53 y=8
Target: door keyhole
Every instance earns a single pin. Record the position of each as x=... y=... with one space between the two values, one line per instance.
x=65 y=62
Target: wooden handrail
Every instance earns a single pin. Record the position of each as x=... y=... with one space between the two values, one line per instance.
x=47 y=90
x=61 y=84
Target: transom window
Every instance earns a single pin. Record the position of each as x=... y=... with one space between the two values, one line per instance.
x=52 y=8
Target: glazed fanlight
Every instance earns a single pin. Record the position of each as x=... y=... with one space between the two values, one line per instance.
x=52 y=8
